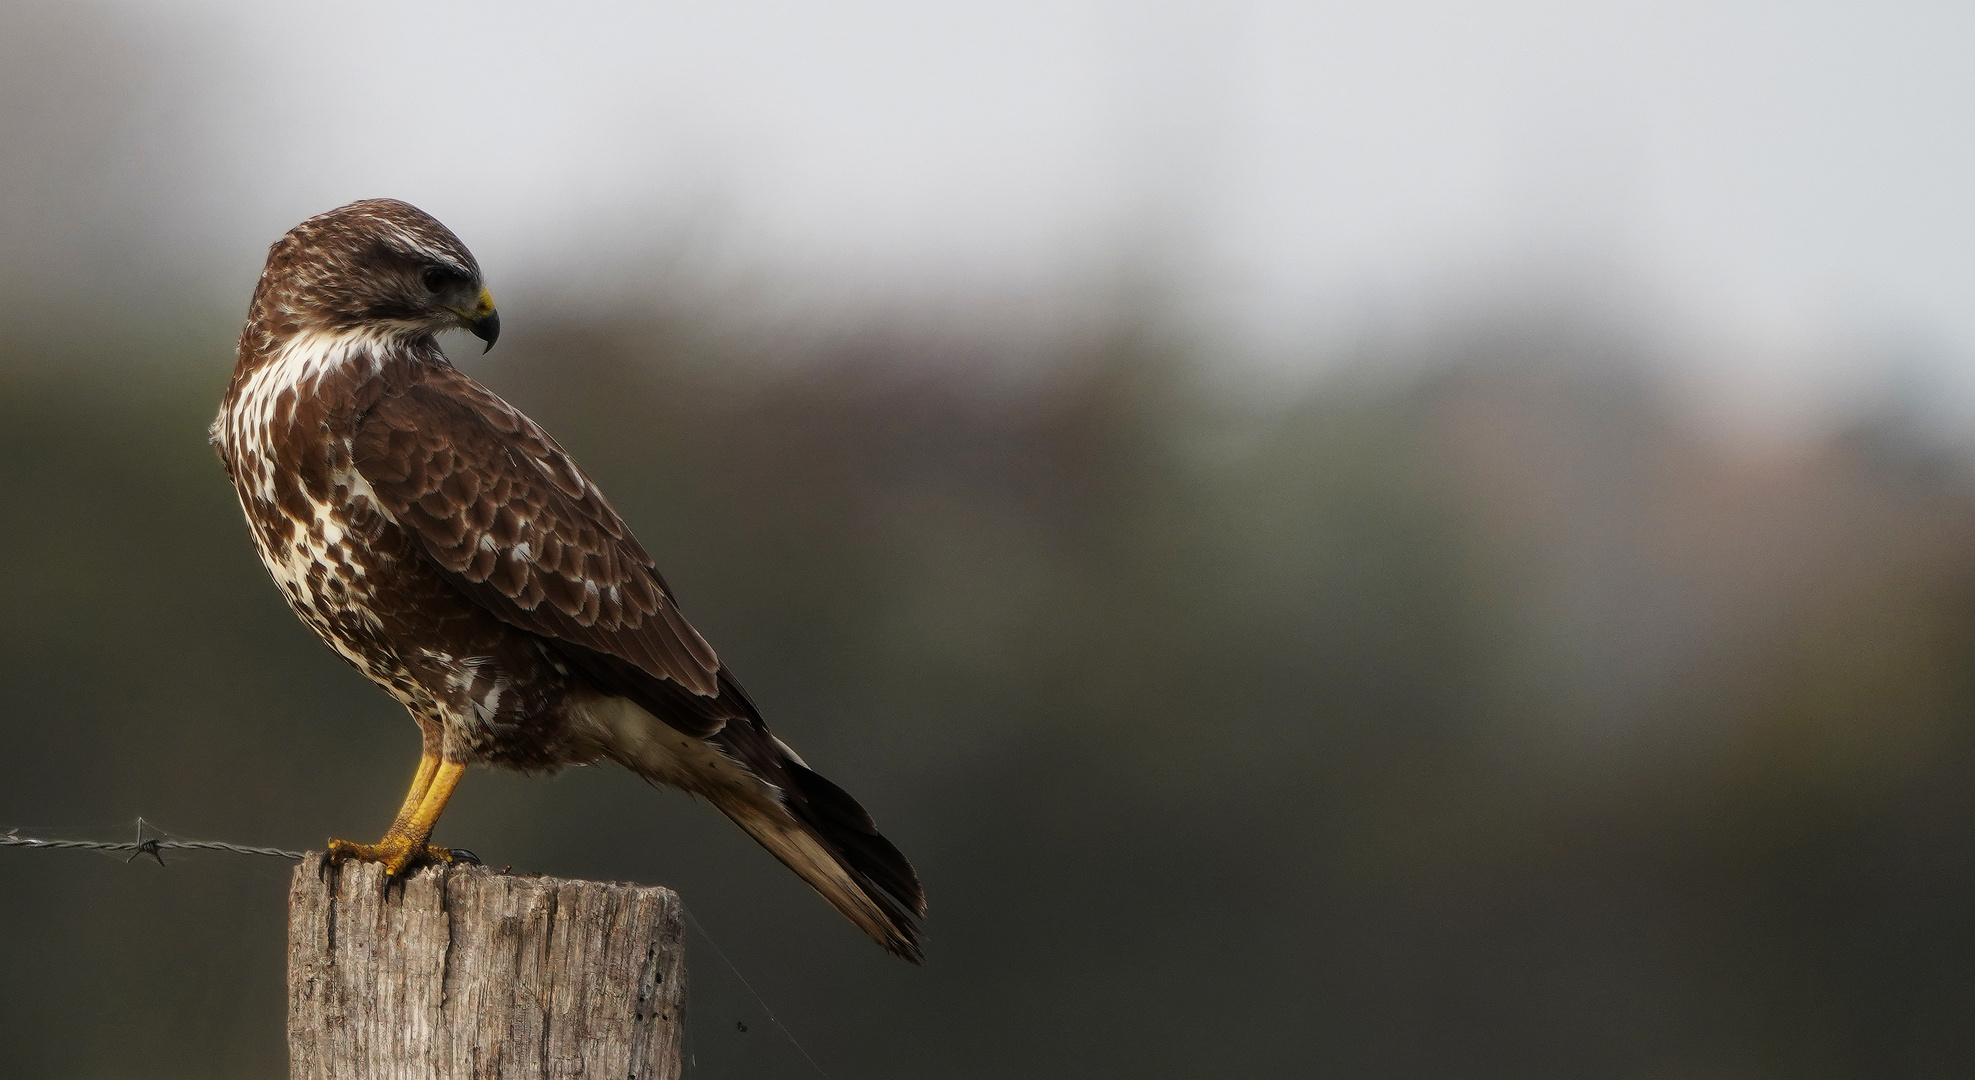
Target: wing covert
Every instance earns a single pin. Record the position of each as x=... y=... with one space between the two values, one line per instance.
x=506 y=513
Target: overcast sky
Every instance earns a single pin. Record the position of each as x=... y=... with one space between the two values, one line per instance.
x=1779 y=181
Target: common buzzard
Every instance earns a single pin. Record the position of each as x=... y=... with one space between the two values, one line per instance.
x=446 y=547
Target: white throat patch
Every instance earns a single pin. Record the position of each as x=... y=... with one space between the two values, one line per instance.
x=295 y=370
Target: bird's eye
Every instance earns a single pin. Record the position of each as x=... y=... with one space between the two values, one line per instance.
x=436 y=280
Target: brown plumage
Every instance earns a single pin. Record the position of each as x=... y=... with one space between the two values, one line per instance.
x=445 y=546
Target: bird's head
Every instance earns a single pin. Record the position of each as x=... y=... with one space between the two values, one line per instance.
x=379 y=266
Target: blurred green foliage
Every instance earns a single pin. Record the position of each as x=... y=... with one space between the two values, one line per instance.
x=1484 y=721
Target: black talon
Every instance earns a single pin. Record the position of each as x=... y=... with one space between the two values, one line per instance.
x=466 y=856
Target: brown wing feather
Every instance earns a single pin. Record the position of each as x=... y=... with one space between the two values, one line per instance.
x=506 y=513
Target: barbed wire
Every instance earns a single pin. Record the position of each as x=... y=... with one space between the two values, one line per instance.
x=154 y=846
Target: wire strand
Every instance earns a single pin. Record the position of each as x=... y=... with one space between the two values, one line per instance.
x=154 y=846
x=765 y=1010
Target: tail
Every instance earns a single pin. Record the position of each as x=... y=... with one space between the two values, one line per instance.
x=806 y=821
x=822 y=834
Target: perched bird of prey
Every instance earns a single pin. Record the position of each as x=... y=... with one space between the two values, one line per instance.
x=446 y=547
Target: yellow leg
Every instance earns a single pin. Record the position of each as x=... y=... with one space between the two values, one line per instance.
x=420 y=781
x=404 y=846
x=444 y=779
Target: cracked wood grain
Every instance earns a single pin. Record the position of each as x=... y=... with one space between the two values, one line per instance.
x=464 y=974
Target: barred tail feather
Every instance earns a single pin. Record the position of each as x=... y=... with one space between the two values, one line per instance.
x=842 y=868
x=806 y=821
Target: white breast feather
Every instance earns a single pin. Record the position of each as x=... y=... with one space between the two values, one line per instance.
x=246 y=434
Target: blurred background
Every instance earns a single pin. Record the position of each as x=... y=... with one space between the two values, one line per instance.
x=1361 y=540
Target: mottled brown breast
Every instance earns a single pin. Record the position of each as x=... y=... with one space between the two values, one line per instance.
x=362 y=582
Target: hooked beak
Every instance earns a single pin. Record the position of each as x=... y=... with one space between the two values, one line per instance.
x=483 y=321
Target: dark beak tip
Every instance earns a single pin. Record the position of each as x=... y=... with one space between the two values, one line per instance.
x=488 y=330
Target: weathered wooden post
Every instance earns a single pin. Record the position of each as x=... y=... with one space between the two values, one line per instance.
x=465 y=974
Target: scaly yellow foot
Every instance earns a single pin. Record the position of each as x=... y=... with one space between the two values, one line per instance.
x=403 y=847
x=399 y=854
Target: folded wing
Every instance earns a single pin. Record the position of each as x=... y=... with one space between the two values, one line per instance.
x=508 y=516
